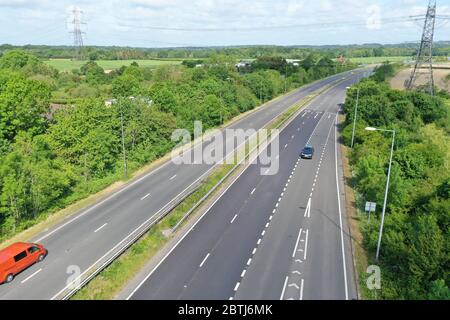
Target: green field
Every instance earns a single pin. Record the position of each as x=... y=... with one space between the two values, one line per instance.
x=371 y=60
x=68 y=65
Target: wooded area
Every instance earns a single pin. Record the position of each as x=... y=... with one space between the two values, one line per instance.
x=415 y=248
x=247 y=52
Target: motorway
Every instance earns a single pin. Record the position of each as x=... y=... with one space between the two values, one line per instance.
x=97 y=232
x=271 y=237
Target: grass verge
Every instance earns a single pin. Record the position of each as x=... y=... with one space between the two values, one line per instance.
x=357 y=221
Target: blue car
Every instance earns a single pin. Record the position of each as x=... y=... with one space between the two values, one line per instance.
x=307 y=152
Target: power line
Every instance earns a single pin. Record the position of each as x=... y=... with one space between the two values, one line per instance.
x=262 y=28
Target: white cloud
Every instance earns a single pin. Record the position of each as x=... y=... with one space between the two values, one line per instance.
x=119 y=22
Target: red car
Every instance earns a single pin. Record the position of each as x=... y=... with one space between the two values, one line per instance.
x=17 y=257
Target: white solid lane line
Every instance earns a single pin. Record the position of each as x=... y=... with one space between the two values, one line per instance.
x=306 y=245
x=339 y=208
x=100 y=228
x=301 y=290
x=284 y=288
x=296 y=244
x=28 y=278
x=145 y=197
x=204 y=260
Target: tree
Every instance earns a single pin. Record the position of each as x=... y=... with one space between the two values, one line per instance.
x=427 y=249
x=93 y=72
x=28 y=64
x=214 y=112
x=23 y=105
x=439 y=291
x=31 y=180
x=270 y=62
x=125 y=86
x=163 y=97
x=430 y=108
x=134 y=71
x=87 y=136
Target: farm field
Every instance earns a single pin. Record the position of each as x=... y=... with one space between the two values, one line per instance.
x=68 y=65
x=372 y=60
x=441 y=78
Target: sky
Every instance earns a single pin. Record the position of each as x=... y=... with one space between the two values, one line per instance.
x=175 y=23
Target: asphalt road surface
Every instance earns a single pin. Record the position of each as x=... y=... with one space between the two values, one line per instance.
x=86 y=237
x=271 y=237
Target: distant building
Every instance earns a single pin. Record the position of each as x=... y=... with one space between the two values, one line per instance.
x=243 y=65
x=294 y=62
x=110 y=102
x=146 y=100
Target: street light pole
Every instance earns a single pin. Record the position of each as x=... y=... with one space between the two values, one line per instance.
x=285 y=79
x=387 y=188
x=260 y=92
x=354 y=120
x=123 y=145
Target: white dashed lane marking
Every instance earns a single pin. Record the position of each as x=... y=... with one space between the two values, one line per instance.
x=31 y=276
x=100 y=228
x=145 y=197
x=204 y=260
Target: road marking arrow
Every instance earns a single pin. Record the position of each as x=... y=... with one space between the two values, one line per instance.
x=308 y=209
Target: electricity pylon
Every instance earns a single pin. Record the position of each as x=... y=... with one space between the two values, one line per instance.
x=77 y=33
x=425 y=54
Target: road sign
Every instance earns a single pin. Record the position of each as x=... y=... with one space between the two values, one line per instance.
x=370 y=207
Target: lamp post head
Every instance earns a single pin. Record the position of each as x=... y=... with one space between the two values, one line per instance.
x=371 y=129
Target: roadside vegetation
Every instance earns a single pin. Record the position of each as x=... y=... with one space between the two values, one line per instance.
x=415 y=248
x=54 y=154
